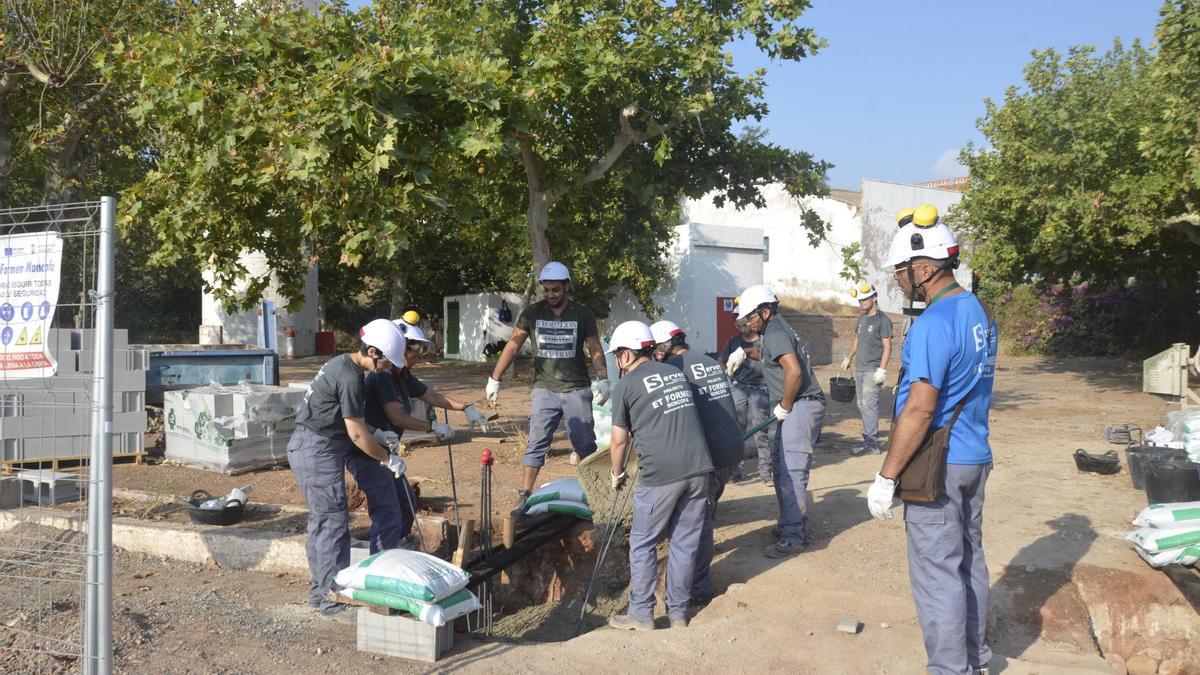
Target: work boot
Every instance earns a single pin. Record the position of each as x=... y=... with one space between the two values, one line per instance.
x=522 y=503
x=679 y=622
x=573 y=459
x=342 y=613
x=782 y=550
x=626 y=622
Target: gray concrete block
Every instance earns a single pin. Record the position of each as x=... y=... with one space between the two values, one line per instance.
x=42 y=486
x=87 y=340
x=10 y=492
x=402 y=636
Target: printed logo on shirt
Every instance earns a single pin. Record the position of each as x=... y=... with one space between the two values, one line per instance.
x=655 y=382
x=557 y=339
x=981 y=336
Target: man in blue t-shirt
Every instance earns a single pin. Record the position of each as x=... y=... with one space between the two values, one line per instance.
x=948 y=360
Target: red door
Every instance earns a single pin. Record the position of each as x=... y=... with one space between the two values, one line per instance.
x=725 y=322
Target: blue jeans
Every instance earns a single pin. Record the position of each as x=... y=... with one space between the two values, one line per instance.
x=674 y=511
x=793 y=442
x=319 y=467
x=753 y=407
x=546 y=409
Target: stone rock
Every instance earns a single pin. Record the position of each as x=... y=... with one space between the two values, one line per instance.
x=1140 y=664
x=1117 y=662
x=1170 y=667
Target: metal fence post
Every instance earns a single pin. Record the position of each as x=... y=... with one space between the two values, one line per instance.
x=98 y=640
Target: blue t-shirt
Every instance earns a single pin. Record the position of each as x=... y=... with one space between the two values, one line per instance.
x=951 y=345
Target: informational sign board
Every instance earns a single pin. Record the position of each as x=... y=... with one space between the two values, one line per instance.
x=30 y=270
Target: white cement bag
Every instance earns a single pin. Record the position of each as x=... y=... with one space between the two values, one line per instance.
x=1171 y=515
x=563 y=489
x=435 y=614
x=1157 y=540
x=1187 y=555
x=409 y=573
x=562 y=507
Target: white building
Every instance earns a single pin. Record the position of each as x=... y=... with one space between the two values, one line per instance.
x=222 y=327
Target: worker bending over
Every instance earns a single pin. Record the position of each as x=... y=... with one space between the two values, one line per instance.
x=947 y=371
x=800 y=410
x=653 y=405
x=871 y=349
x=714 y=402
x=561 y=387
x=331 y=421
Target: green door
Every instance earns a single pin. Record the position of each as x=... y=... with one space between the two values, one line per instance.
x=452 y=327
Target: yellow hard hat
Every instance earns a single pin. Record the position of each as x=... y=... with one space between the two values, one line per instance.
x=926 y=215
x=411 y=317
x=862 y=291
x=904 y=217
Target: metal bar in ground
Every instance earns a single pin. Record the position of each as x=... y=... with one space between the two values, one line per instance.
x=528 y=542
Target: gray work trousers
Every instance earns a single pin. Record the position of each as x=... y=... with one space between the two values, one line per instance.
x=702 y=585
x=674 y=511
x=867 y=394
x=791 y=454
x=546 y=409
x=948 y=573
x=318 y=465
x=752 y=407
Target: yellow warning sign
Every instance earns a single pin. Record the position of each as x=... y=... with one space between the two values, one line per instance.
x=37 y=337
x=24 y=339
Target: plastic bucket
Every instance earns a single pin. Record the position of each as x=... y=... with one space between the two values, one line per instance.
x=841 y=389
x=1137 y=456
x=1172 y=479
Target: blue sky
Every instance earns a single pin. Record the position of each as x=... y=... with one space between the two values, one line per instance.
x=900 y=86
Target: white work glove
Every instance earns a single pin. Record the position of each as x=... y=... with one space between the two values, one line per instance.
x=441 y=431
x=880 y=376
x=387 y=439
x=603 y=390
x=475 y=417
x=617 y=481
x=493 y=390
x=396 y=465
x=845 y=363
x=735 y=361
x=879 y=497
x=779 y=413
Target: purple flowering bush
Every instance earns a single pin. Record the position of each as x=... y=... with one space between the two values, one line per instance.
x=1089 y=320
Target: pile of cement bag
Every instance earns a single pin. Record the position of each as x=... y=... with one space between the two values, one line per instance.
x=1169 y=534
x=1181 y=431
x=563 y=496
x=429 y=588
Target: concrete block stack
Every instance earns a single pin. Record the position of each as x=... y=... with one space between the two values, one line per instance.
x=50 y=418
x=231 y=429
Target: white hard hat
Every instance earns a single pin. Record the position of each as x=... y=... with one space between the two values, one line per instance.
x=936 y=242
x=631 y=335
x=752 y=298
x=386 y=337
x=554 y=271
x=862 y=290
x=412 y=333
x=663 y=331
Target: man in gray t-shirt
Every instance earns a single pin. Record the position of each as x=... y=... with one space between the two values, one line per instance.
x=787 y=367
x=653 y=405
x=871 y=350
x=714 y=401
x=743 y=357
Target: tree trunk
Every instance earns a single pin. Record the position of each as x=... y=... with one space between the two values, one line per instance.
x=6 y=150
x=399 y=292
x=538 y=215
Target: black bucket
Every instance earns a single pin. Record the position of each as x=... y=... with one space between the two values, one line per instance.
x=1105 y=464
x=1172 y=479
x=841 y=389
x=1137 y=456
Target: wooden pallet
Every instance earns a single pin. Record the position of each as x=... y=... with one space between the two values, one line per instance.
x=11 y=466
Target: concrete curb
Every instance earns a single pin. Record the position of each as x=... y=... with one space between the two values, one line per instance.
x=228 y=548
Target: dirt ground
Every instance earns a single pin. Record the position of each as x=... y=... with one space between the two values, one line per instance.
x=1053 y=539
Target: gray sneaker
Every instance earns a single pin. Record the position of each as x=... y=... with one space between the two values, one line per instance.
x=626 y=622
x=522 y=503
x=782 y=550
x=341 y=613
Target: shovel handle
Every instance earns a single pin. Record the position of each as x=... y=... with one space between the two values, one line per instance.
x=758 y=427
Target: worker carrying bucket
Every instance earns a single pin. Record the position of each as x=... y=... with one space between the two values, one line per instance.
x=655 y=412
x=562 y=390
x=870 y=351
x=787 y=367
x=938 y=454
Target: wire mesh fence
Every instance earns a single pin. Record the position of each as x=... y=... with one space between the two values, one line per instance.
x=56 y=417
